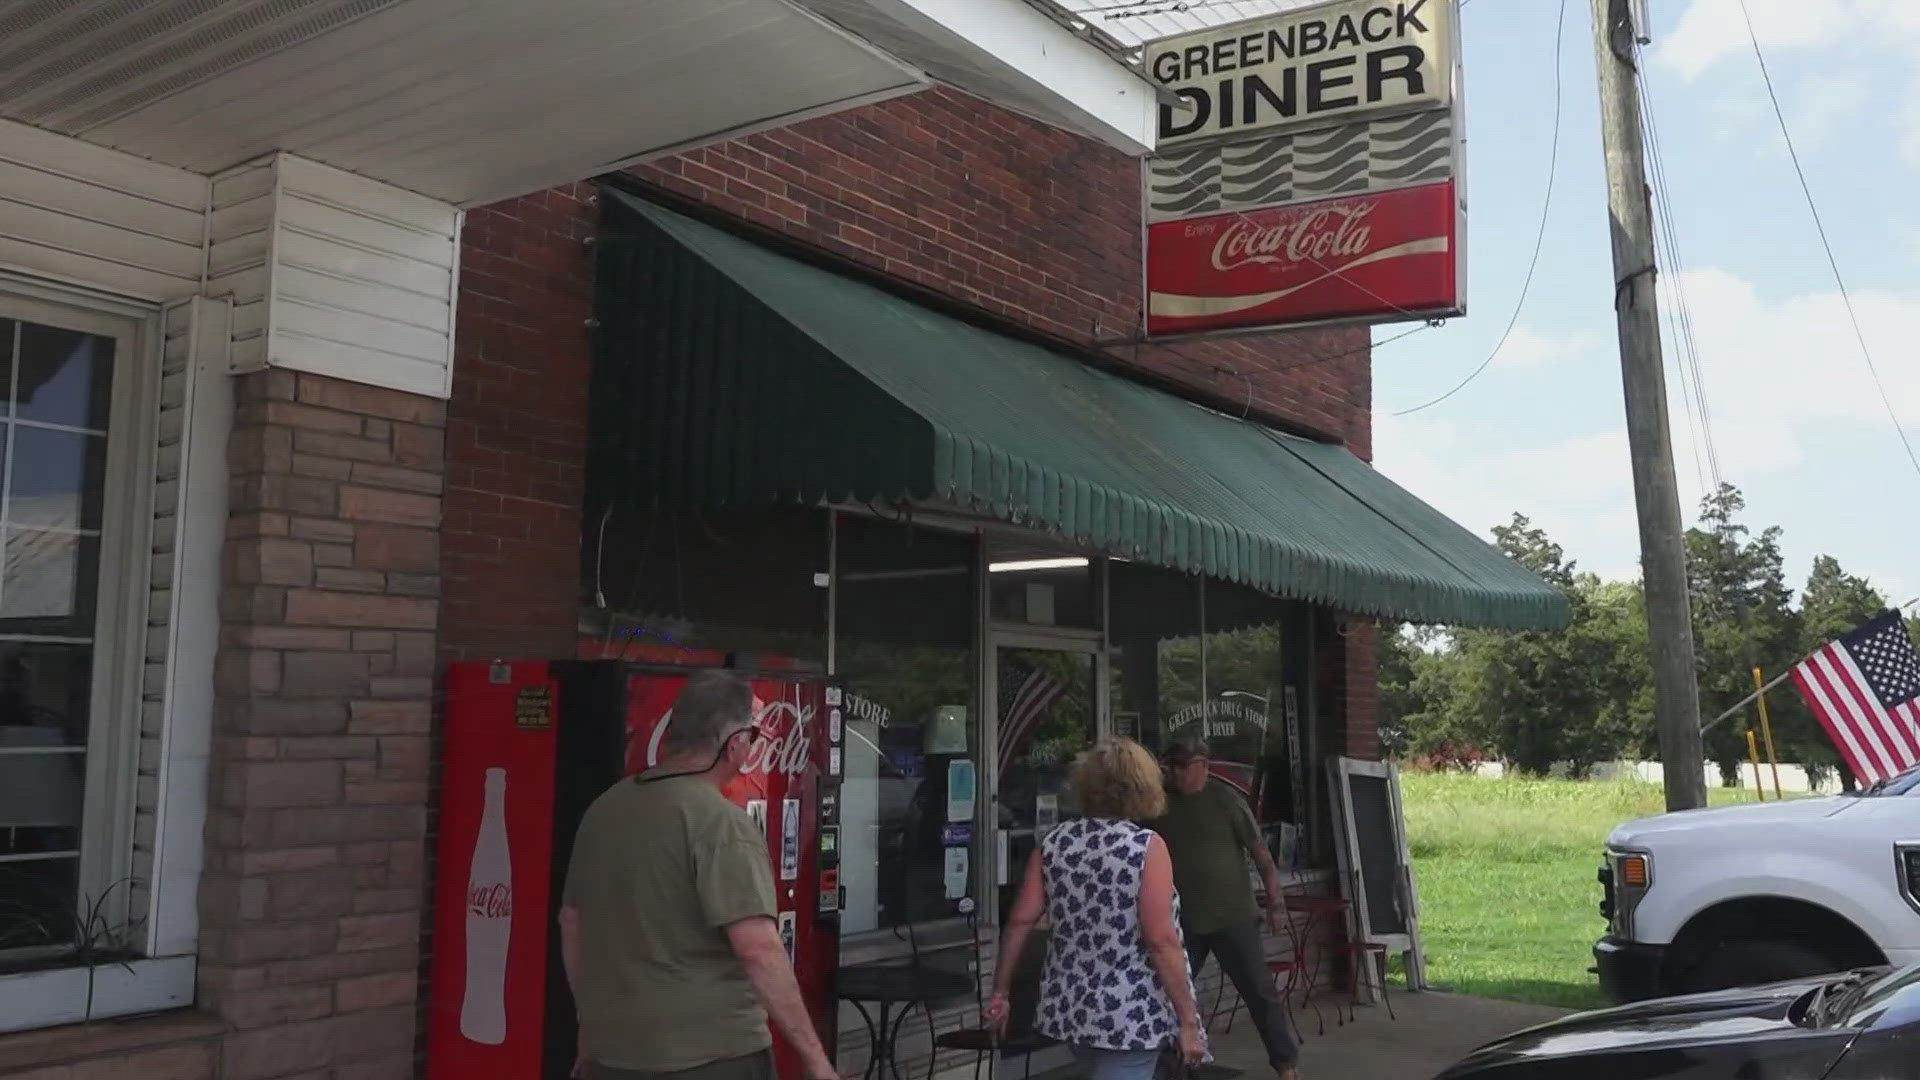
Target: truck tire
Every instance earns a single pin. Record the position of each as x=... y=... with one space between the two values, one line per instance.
x=1756 y=963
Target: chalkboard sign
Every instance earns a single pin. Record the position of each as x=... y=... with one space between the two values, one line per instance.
x=1379 y=850
x=1375 y=868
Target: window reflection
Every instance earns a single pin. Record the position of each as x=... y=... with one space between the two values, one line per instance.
x=698 y=585
x=1209 y=661
x=1047 y=717
x=904 y=648
x=55 y=402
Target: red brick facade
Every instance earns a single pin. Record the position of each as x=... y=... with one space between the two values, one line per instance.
x=517 y=427
x=1035 y=225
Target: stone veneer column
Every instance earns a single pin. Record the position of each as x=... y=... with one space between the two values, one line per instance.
x=313 y=898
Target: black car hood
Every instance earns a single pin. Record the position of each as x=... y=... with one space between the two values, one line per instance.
x=1733 y=1033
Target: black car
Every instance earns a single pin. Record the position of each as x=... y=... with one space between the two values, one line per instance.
x=1862 y=1025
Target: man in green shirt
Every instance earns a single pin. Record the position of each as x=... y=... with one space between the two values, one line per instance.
x=667 y=918
x=1210 y=834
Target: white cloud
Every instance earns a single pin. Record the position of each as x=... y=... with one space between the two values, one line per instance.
x=1710 y=30
x=1867 y=49
x=1530 y=348
x=1580 y=489
x=1789 y=364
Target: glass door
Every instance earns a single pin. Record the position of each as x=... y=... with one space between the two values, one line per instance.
x=1048 y=712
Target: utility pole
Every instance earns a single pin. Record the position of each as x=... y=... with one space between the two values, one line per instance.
x=1663 y=559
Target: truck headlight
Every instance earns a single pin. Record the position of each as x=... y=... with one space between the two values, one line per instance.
x=1906 y=862
x=1632 y=877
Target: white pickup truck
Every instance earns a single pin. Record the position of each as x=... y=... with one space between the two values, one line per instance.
x=1704 y=900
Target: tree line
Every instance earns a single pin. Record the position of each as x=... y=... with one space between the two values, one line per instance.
x=1584 y=695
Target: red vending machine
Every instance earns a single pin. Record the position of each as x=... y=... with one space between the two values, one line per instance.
x=529 y=746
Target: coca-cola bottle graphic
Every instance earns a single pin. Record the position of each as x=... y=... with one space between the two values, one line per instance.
x=483 y=1015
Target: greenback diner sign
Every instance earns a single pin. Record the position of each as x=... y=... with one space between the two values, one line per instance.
x=1305 y=68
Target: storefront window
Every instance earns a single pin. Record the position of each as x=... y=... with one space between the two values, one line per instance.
x=1203 y=659
x=1244 y=721
x=1046 y=718
x=1155 y=640
x=904 y=646
x=687 y=584
x=1041 y=589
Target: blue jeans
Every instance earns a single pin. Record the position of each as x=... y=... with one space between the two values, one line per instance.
x=1116 y=1064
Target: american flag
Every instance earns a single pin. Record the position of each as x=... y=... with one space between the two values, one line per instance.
x=1025 y=695
x=1863 y=688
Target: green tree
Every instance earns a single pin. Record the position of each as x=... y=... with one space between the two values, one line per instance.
x=1547 y=697
x=1742 y=617
x=1422 y=714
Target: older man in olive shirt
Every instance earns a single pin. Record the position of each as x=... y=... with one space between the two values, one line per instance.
x=1210 y=833
x=667 y=921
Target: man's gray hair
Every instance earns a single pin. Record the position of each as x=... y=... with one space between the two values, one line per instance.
x=712 y=706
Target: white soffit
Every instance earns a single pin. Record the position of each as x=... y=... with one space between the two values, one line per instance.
x=466 y=101
x=1131 y=25
x=1015 y=54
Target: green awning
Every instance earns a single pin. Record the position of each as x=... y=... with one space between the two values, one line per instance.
x=729 y=373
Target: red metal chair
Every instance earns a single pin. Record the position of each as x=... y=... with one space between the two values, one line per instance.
x=1292 y=964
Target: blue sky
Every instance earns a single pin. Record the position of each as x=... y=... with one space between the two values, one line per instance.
x=1796 y=421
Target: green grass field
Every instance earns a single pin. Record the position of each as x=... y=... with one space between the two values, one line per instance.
x=1509 y=905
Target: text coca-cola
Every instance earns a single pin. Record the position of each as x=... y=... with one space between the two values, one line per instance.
x=491 y=901
x=784 y=752
x=1334 y=230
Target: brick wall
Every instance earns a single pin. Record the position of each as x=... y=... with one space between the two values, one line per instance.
x=314 y=889
x=1362 y=691
x=1034 y=224
x=517 y=427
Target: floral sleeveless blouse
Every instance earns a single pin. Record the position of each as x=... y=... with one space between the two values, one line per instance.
x=1099 y=988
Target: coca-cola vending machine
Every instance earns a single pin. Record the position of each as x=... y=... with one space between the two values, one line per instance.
x=530 y=745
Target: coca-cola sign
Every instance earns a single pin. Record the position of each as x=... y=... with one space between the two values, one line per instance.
x=784 y=748
x=1379 y=255
x=490 y=901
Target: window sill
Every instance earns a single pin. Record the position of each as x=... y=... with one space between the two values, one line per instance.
x=84 y=1042
x=43 y=999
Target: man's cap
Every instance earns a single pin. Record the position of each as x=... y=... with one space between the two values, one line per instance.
x=1183 y=750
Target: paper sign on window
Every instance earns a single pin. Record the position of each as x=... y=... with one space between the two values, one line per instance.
x=961 y=778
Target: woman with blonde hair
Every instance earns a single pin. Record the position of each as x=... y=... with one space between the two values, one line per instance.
x=1116 y=987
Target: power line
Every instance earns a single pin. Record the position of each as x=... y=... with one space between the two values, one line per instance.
x=1820 y=227
x=1540 y=237
x=1693 y=384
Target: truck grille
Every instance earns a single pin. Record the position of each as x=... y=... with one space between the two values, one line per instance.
x=1606 y=890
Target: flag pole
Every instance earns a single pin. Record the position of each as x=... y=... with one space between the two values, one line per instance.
x=1753 y=751
x=1777 y=680
x=1749 y=699
x=1766 y=729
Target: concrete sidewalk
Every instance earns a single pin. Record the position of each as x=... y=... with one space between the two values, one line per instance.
x=1433 y=1031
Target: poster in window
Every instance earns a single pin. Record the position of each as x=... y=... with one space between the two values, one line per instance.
x=961 y=778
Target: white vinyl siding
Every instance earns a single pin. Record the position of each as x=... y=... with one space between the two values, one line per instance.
x=84 y=215
x=336 y=274
x=176 y=708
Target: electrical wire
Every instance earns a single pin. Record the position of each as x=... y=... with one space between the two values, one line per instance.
x=1820 y=227
x=1686 y=348
x=1546 y=211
